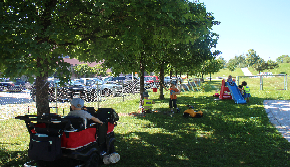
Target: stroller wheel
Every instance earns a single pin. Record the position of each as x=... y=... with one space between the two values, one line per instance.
x=93 y=160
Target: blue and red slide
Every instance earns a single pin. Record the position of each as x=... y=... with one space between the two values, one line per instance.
x=235 y=92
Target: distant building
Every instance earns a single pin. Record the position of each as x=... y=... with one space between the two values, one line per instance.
x=74 y=62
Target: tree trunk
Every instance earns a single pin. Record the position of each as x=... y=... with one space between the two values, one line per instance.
x=180 y=78
x=161 y=80
x=170 y=75
x=42 y=103
x=142 y=69
x=209 y=76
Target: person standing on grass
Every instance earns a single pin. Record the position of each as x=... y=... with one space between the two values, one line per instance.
x=246 y=90
x=173 y=98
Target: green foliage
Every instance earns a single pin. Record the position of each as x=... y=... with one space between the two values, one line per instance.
x=128 y=35
x=252 y=58
x=223 y=62
x=261 y=65
x=209 y=66
x=272 y=64
x=232 y=65
x=237 y=62
x=283 y=59
x=83 y=70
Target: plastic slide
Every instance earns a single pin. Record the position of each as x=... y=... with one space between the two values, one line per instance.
x=236 y=94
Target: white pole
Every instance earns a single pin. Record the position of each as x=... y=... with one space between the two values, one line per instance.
x=98 y=95
x=123 y=89
x=55 y=97
x=286 y=82
x=260 y=82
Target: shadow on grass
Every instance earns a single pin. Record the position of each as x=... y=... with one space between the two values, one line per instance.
x=13 y=158
x=229 y=134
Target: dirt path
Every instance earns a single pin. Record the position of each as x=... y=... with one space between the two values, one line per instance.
x=279 y=115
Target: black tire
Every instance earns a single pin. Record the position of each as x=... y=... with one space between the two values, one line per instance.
x=93 y=160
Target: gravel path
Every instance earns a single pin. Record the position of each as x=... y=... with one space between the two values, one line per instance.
x=247 y=72
x=279 y=115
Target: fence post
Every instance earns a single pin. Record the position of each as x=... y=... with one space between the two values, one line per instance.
x=261 y=82
x=123 y=90
x=55 y=97
x=286 y=82
x=98 y=95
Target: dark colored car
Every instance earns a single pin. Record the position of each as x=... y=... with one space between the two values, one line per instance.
x=19 y=82
x=67 y=92
x=5 y=86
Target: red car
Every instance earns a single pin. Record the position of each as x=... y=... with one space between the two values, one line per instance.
x=151 y=80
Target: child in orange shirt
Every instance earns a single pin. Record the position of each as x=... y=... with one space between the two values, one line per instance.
x=173 y=98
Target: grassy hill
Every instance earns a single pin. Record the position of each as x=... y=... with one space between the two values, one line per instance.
x=226 y=72
x=269 y=83
x=283 y=68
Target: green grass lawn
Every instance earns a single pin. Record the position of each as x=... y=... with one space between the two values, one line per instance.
x=229 y=134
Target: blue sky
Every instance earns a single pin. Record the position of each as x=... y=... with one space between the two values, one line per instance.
x=262 y=25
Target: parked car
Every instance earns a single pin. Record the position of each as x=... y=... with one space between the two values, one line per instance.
x=19 y=82
x=5 y=86
x=67 y=92
x=115 y=79
x=109 y=88
x=152 y=80
x=167 y=80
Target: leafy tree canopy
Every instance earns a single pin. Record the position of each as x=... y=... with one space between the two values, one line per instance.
x=252 y=58
x=283 y=59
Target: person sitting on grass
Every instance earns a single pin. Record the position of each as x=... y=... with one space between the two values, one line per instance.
x=76 y=105
x=147 y=103
x=173 y=98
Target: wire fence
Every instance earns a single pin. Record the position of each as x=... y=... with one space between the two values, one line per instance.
x=265 y=82
x=23 y=102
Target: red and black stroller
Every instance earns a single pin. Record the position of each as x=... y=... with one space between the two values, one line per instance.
x=67 y=141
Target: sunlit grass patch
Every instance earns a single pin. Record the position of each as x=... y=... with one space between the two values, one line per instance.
x=229 y=134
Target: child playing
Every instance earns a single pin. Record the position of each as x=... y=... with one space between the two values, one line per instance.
x=76 y=105
x=241 y=89
x=147 y=103
x=246 y=90
x=230 y=79
x=173 y=98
